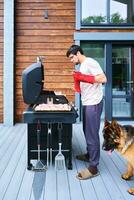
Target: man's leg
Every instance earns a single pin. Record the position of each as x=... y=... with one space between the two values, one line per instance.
x=92 y=125
x=84 y=156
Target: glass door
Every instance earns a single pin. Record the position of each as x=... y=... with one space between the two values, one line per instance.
x=122 y=83
x=117 y=62
x=96 y=51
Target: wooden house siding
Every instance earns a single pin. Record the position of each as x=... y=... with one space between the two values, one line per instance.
x=1 y=61
x=37 y=36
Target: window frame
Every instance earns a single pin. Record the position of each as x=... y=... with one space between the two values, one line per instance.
x=122 y=37
x=99 y=26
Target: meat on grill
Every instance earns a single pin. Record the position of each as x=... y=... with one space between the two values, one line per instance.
x=53 y=107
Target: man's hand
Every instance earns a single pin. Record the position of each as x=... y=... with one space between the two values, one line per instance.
x=100 y=78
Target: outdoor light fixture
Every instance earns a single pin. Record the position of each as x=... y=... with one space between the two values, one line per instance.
x=46 y=14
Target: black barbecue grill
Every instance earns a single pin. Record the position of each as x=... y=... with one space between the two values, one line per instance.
x=44 y=146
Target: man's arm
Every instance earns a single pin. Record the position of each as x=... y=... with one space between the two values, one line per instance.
x=100 y=78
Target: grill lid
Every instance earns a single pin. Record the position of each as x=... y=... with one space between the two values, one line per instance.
x=32 y=82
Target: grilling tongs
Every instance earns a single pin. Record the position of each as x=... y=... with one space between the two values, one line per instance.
x=49 y=144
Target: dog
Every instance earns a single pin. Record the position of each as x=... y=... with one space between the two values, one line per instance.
x=120 y=138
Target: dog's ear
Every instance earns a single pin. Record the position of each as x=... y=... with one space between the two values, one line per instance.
x=106 y=123
x=114 y=123
x=117 y=129
x=116 y=126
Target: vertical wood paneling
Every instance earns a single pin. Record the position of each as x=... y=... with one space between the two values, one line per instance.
x=1 y=61
x=37 y=36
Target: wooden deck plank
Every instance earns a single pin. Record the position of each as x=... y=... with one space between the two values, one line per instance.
x=7 y=140
x=74 y=184
x=16 y=179
x=10 y=168
x=26 y=185
x=52 y=185
x=4 y=133
x=6 y=155
x=121 y=164
x=113 y=190
x=3 y=130
x=97 y=180
x=102 y=184
x=62 y=185
x=121 y=184
x=87 y=187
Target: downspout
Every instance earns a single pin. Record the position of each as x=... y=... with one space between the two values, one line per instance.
x=8 y=68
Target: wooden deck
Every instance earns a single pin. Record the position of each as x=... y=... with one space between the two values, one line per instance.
x=17 y=183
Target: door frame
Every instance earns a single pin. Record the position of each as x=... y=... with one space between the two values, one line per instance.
x=108 y=86
x=107 y=38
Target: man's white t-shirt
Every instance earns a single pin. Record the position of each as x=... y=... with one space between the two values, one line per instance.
x=91 y=94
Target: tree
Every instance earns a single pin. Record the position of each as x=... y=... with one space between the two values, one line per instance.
x=94 y=19
x=117 y=19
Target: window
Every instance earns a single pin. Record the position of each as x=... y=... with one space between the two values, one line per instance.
x=94 y=50
x=106 y=12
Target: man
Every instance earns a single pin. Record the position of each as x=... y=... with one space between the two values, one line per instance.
x=89 y=83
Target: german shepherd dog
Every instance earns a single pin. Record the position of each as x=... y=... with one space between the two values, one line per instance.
x=120 y=138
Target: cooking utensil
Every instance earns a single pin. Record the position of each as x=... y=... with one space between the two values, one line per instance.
x=48 y=132
x=59 y=158
x=49 y=144
x=39 y=165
